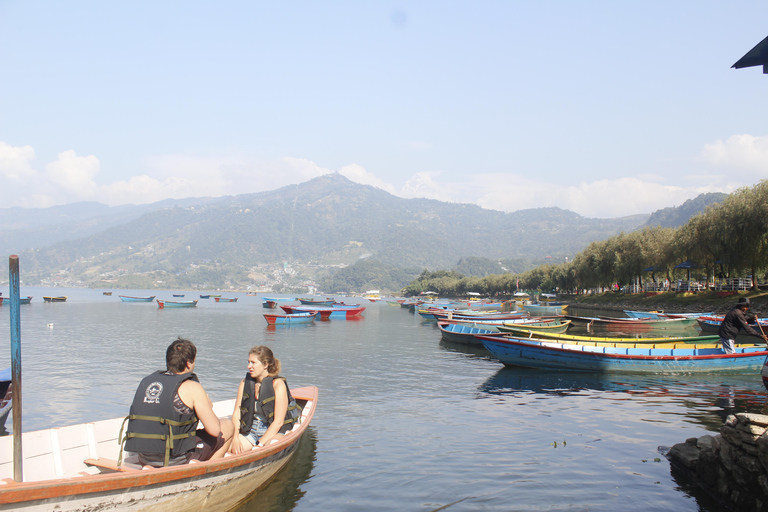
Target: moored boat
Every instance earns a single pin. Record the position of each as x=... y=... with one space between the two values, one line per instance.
x=6 y=395
x=544 y=309
x=22 y=300
x=327 y=311
x=550 y=354
x=128 y=298
x=632 y=324
x=75 y=468
x=290 y=318
x=656 y=340
x=712 y=324
x=269 y=304
x=534 y=329
x=176 y=303
x=178 y=294
x=225 y=299
x=106 y=293
x=661 y=314
x=313 y=302
x=60 y=298
x=464 y=334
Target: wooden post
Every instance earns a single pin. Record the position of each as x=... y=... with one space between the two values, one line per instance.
x=13 y=271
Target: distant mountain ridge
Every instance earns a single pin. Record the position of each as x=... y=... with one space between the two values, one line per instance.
x=329 y=220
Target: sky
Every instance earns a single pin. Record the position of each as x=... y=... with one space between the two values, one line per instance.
x=603 y=108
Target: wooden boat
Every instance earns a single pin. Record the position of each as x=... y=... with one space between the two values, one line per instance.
x=74 y=469
x=225 y=299
x=525 y=329
x=660 y=314
x=290 y=318
x=62 y=298
x=212 y=296
x=128 y=298
x=544 y=309
x=106 y=293
x=632 y=324
x=206 y=296
x=712 y=324
x=162 y=304
x=477 y=316
x=6 y=395
x=279 y=299
x=313 y=302
x=178 y=294
x=464 y=334
x=251 y=294
x=326 y=312
x=22 y=300
x=577 y=338
x=554 y=355
x=269 y=304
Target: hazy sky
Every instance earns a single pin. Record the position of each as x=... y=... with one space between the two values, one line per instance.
x=607 y=108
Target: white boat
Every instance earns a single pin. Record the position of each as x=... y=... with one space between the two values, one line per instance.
x=74 y=468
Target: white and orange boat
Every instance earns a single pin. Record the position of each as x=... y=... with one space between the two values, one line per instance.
x=75 y=468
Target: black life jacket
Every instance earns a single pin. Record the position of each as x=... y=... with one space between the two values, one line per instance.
x=267 y=403
x=154 y=425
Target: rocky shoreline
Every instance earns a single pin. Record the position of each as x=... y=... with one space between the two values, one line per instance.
x=731 y=467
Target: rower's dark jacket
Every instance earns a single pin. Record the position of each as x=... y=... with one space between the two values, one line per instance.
x=154 y=425
x=267 y=400
x=734 y=322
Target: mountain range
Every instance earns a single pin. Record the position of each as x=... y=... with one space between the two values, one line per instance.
x=305 y=231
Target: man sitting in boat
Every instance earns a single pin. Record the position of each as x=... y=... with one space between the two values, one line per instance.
x=264 y=409
x=162 y=425
x=734 y=322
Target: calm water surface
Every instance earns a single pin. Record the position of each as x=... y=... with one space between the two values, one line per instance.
x=405 y=421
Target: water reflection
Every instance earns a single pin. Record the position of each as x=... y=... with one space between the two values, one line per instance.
x=706 y=400
x=284 y=492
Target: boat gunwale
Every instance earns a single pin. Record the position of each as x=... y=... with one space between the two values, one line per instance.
x=24 y=492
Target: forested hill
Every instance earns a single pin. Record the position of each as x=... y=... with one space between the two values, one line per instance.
x=676 y=216
x=328 y=220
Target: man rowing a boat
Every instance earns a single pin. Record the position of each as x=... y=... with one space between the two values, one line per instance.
x=734 y=322
x=162 y=425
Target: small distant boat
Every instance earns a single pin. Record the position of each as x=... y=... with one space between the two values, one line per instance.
x=178 y=294
x=279 y=299
x=62 y=298
x=214 y=296
x=290 y=318
x=326 y=312
x=269 y=304
x=176 y=303
x=251 y=294
x=205 y=296
x=106 y=293
x=6 y=395
x=22 y=300
x=225 y=299
x=128 y=298
x=313 y=302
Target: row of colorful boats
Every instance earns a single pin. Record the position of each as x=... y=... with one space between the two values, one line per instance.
x=542 y=342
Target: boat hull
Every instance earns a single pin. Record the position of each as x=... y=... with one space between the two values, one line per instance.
x=55 y=299
x=221 y=484
x=545 y=354
x=290 y=318
x=127 y=298
x=162 y=304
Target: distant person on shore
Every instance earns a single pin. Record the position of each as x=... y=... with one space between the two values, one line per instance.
x=175 y=399
x=264 y=409
x=734 y=322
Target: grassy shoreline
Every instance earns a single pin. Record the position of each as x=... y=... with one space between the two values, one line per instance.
x=671 y=302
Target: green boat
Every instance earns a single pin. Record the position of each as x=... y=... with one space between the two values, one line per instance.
x=536 y=329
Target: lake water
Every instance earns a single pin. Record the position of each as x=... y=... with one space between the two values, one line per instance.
x=404 y=421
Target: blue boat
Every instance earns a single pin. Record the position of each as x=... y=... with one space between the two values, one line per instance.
x=463 y=333
x=128 y=298
x=22 y=300
x=6 y=395
x=178 y=294
x=289 y=318
x=656 y=315
x=162 y=304
x=552 y=355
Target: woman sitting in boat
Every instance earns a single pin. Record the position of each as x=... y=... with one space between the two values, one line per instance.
x=264 y=409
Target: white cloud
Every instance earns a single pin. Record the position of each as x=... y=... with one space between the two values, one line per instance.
x=739 y=161
x=15 y=162
x=75 y=174
x=744 y=152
